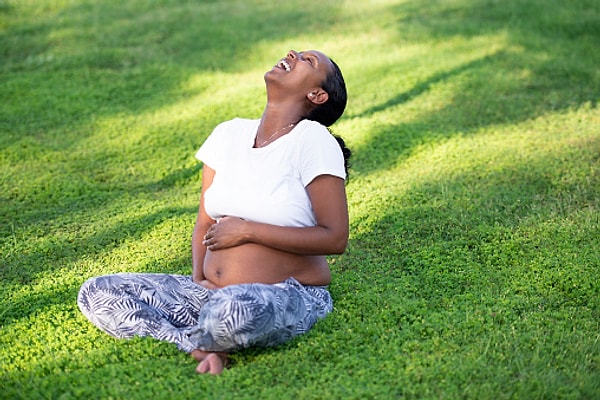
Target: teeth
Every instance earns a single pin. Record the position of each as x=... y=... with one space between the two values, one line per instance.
x=284 y=64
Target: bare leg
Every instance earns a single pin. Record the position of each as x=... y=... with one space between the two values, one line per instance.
x=210 y=362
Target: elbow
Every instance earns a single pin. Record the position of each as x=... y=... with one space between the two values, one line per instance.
x=339 y=245
x=339 y=250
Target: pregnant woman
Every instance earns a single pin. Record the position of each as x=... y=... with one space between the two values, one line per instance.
x=272 y=205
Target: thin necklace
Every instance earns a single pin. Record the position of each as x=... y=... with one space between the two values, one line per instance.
x=270 y=138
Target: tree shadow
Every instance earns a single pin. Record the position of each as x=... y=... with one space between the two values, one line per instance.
x=113 y=87
x=477 y=236
x=100 y=54
x=543 y=67
x=426 y=85
x=68 y=252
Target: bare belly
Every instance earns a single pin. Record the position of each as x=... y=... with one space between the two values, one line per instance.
x=252 y=263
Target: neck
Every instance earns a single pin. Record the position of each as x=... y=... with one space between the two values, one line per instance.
x=282 y=113
x=277 y=116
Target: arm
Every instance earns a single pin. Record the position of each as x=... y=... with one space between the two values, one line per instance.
x=203 y=222
x=329 y=236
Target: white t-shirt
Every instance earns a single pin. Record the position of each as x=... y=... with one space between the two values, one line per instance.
x=267 y=184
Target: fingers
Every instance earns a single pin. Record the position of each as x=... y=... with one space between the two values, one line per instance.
x=221 y=234
x=210 y=238
x=209 y=241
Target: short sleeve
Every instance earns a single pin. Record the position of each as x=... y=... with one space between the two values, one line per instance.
x=320 y=154
x=210 y=152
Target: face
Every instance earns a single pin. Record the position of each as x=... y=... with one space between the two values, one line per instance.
x=303 y=71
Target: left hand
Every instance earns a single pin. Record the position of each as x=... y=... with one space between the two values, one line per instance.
x=227 y=232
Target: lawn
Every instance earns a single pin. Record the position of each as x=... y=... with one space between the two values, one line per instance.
x=473 y=267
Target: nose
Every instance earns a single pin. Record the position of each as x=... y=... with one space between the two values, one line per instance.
x=292 y=54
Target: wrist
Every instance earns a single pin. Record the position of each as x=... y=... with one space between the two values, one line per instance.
x=247 y=232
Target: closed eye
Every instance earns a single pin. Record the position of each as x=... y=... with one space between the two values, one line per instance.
x=309 y=59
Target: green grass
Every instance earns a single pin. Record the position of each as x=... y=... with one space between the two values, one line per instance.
x=473 y=268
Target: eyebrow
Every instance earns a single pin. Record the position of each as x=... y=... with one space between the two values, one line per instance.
x=311 y=53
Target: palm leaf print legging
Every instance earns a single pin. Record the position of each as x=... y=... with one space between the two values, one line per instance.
x=175 y=309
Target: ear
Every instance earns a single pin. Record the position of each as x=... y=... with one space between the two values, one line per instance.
x=317 y=96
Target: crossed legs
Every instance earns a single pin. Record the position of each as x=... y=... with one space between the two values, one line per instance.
x=205 y=323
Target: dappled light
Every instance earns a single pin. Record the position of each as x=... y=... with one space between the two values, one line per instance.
x=472 y=269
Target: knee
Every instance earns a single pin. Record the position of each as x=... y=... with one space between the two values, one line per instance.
x=240 y=313
x=89 y=289
x=239 y=317
x=232 y=321
x=85 y=287
x=83 y=295
x=90 y=284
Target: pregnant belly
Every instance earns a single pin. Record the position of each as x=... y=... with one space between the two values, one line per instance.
x=252 y=263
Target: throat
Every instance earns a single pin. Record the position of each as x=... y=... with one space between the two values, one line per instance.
x=263 y=139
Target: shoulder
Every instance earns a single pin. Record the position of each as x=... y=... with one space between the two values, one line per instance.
x=235 y=125
x=317 y=135
x=319 y=153
x=233 y=130
x=313 y=127
x=225 y=136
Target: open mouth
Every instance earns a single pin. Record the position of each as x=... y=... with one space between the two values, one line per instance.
x=285 y=65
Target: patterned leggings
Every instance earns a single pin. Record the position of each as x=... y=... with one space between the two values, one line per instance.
x=175 y=309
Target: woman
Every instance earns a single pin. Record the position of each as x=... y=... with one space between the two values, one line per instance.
x=273 y=203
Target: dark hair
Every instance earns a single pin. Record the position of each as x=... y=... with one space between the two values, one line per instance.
x=345 y=151
x=330 y=111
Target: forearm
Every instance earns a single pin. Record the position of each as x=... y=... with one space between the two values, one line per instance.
x=328 y=236
x=315 y=240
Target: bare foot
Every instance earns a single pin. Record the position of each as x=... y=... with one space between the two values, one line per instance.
x=199 y=355
x=211 y=363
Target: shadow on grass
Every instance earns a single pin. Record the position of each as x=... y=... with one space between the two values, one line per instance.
x=101 y=53
x=521 y=239
x=425 y=268
x=23 y=268
x=63 y=70
x=412 y=250
x=549 y=64
x=426 y=85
